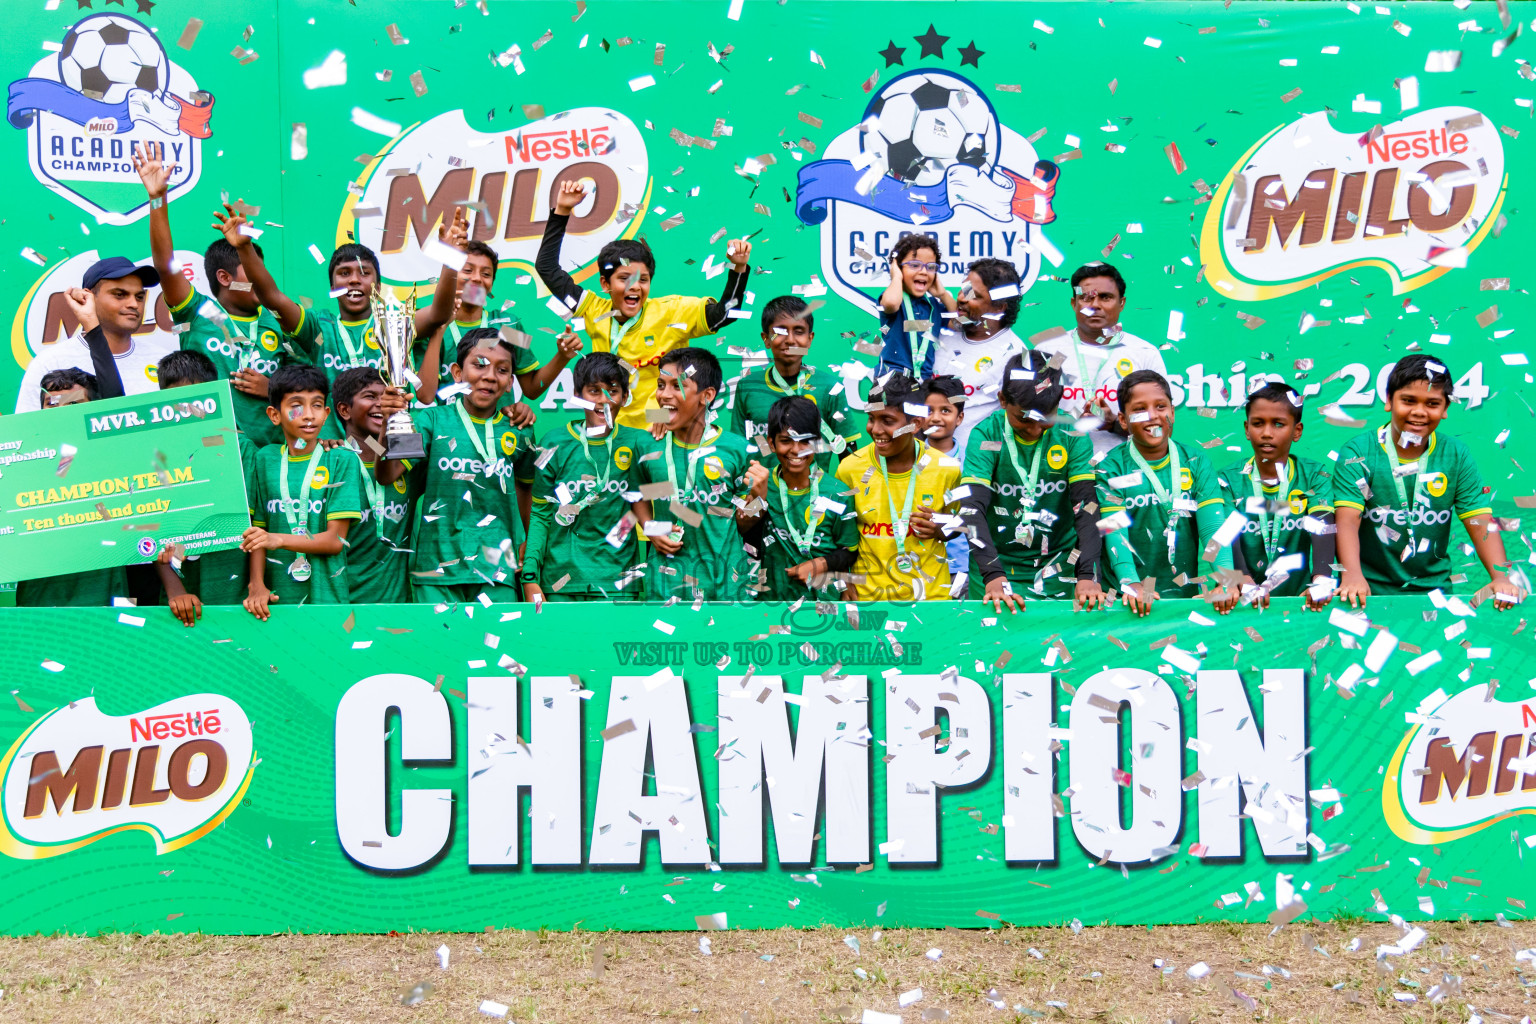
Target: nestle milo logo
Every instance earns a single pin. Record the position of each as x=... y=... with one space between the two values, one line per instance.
x=1467 y=763
x=174 y=771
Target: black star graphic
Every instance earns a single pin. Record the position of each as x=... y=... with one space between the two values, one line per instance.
x=118 y=2
x=932 y=43
x=82 y=5
x=892 y=54
x=145 y=6
x=968 y=54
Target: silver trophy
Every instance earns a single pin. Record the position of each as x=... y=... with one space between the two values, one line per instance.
x=394 y=325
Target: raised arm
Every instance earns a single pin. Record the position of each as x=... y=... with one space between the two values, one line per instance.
x=289 y=313
x=445 y=297
x=148 y=160
x=547 y=263
x=717 y=314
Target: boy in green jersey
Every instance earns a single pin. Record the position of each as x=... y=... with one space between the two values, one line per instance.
x=696 y=469
x=1287 y=544
x=94 y=588
x=1161 y=500
x=1029 y=496
x=475 y=482
x=1406 y=482
x=379 y=548
x=582 y=542
x=241 y=337
x=309 y=489
x=796 y=519
x=346 y=338
x=789 y=329
x=216 y=577
x=475 y=280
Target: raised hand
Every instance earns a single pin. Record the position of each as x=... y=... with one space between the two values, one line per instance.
x=739 y=252
x=152 y=170
x=229 y=224
x=82 y=304
x=569 y=197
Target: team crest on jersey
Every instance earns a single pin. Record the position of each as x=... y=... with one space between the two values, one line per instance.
x=108 y=91
x=983 y=364
x=714 y=467
x=269 y=340
x=1123 y=367
x=1298 y=502
x=1056 y=456
x=622 y=457
x=508 y=443
x=1435 y=483
x=1186 y=482
x=153 y=373
x=322 y=477
x=369 y=340
x=400 y=485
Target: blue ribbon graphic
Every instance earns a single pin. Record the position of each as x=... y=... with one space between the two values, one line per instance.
x=826 y=180
x=30 y=95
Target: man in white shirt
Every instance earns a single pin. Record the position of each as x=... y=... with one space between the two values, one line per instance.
x=110 y=307
x=978 y=351
x=1097 y=353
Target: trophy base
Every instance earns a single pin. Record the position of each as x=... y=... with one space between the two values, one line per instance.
x=404 y=446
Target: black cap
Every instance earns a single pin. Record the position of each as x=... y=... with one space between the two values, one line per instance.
x=114 y=267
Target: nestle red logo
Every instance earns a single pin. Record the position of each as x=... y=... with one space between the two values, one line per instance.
x=1422 y=143
x=177 y=726
x=564 y=144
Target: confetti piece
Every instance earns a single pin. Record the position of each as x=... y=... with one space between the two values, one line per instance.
x=418 y=84
x=615 y=731
x=331 y=71
x=1175 y=157
x=491 y=1008
x=189 y=34
x=298 y=147
x=373 y=123
x=643 y=82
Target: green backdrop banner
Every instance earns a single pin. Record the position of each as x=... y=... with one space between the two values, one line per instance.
x=381 y=768
x=1306 y=190
x=111 y=483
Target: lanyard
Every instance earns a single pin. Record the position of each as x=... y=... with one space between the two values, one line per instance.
x=1082 y=368
x=693 y=465
x=899 y=525
x=793 y=391
x=605 y=473
x=1031 y=479
x=248 y=345
x=1388 y=442
x=457 y=329
x=309 y=480
x=919 y=353
x=485 y=449
x=375 y=495
x=354 y=351
x=616 y=336
x=1270 y=531
x=1165 y=496
x=802 y=541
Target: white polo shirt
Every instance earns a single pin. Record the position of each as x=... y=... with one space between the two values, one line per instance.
x=980 y=365
x=1104 y=365
x=136 y=366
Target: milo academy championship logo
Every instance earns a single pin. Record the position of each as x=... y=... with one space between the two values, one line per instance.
x=930 y=156
x=109 y=89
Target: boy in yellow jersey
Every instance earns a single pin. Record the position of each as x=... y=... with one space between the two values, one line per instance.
x=623 y=318
x=900 y=488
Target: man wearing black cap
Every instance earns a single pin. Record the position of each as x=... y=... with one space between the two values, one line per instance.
x=110 y=307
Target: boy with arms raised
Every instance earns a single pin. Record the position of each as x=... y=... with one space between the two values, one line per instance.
x=1031 y=496
x=695 y=470
x=1163 y=500
x=799 y=530
x=307 y=490
x=1097 y=353
x=789 y=329
x=1397 y=488
x=1287 y=545
x=623 y=318
x=978 y=351
x=475 y=483
x=581 y=537
x=899 y=484
x=346 y=338
x=378 y=548
x=241 y=337
x=475 y=280
x=912 y=308
x=217 y=577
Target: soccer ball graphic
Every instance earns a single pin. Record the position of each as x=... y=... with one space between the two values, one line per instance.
x=924 y=122
x=105 y=55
